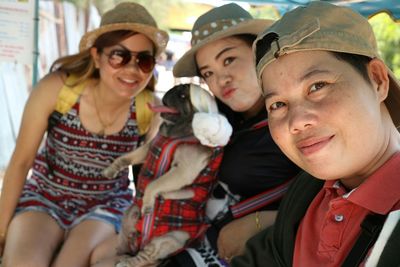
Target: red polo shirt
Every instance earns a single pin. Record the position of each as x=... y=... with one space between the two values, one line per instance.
x=331 y=225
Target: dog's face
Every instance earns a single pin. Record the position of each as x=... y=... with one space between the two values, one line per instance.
x=177 y=118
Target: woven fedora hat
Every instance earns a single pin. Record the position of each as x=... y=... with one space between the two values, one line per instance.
x=220 y=22
x=127 y=16
x=327 y=27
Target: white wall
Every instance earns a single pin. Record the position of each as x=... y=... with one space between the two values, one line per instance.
x=61 y=26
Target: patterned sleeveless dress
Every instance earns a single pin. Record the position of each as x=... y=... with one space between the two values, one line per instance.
x=66 y=180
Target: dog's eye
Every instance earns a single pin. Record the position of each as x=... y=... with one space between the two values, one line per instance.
x=182 y=96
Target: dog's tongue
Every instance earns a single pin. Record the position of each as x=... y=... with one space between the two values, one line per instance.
x=162 y=109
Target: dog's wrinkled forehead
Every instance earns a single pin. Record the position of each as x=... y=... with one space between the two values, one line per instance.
x=177 y=94
x=191 y=94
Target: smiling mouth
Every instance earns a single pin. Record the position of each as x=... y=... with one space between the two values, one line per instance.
x=311 y=146
x=128 y=81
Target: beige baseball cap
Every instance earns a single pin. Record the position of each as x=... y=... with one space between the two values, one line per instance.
x=127 y=16
x=218 y=23
x=323 y=26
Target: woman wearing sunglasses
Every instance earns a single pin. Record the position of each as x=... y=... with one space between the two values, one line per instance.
x=66 y=205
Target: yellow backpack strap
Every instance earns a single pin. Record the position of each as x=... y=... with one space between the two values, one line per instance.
x=68 y=95
x=143 y=114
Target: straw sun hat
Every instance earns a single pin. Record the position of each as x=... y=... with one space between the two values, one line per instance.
x=323 y=26
x=220 y=22
x=127 y=16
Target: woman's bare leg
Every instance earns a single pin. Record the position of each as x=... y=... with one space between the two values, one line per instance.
x=80 y=243
x=32 y=239
x=105 y=250
x=109 y=262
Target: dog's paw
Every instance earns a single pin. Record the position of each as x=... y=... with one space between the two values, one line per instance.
x=140 y=260
x=112 y=170
x=124 y=262
x=109 y=172
x=148 y=202
x=152 y=250
x=121 y=264
x=146 y=210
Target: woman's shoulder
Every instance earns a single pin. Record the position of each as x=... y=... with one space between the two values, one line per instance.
x=51 y=84
x=47 y=90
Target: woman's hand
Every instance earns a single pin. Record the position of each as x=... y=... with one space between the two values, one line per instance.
x=233 y=236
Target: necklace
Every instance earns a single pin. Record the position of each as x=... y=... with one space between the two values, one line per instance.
x=104 y=125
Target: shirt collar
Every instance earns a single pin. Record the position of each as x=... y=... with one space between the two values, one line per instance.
x=380 y=192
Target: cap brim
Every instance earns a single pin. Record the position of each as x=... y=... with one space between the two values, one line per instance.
x=186 y=65
x=393 y=99
x=158 y=37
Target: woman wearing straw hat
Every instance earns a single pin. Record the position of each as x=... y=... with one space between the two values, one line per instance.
x=66 y=205
x=254 y=173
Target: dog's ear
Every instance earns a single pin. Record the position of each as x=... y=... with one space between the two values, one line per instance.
x=202 y=100
x=211 y=129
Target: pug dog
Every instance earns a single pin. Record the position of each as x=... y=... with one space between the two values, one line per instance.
x=179 y=170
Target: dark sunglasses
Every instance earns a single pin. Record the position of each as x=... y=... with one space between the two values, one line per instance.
x=120 y=57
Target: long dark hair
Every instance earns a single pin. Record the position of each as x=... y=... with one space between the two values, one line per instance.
x=358 y=62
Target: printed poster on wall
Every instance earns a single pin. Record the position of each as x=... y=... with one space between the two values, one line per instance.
x=17 y=30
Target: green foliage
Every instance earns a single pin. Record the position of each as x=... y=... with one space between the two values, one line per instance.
x=387 y=33
x=264 y=12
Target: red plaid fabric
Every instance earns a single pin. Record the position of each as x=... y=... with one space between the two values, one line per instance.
x=187 y=214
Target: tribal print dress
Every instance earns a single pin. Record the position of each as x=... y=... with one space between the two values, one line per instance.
x=66 y=180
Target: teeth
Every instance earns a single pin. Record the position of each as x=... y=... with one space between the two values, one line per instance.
x=128 y=81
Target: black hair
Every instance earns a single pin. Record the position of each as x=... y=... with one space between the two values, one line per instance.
x=247 y=38
x=358 y=62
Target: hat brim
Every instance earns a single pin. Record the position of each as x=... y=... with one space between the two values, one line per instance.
x=393 y=99
x=186 y=66
x=158 y=37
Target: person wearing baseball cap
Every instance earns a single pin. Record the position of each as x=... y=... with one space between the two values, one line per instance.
x=254 y=173
x=334 y=109
x=66 y=207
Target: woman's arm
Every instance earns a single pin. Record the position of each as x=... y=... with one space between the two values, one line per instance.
x=39 y=106
x=233 y=236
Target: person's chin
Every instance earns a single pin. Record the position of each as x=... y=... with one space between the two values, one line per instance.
x=318 y=165
x=323 y=173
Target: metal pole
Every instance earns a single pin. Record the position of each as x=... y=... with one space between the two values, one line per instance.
x=35 y=66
